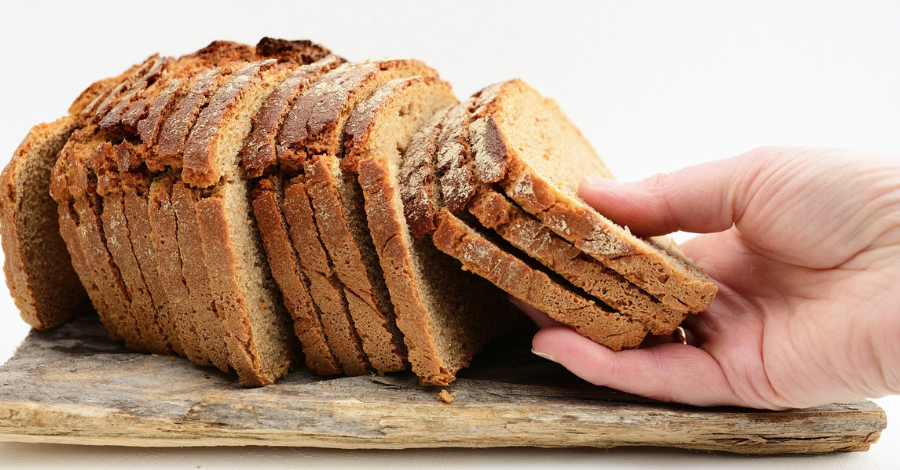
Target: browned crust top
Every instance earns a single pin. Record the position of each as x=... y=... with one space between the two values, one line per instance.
x=200 y=166
x=417 y=187
x=175 y=130
x=113 y=119
x=301 y=51
x=259 y=153
x=314 y=124
x=363 y=120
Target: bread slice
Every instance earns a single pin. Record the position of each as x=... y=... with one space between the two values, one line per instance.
x=261 y=343
x=74 y=190
x=526 y=144
x=535 y=287
x=494 y=260
x=326 y=290
x=209 y=318
x=188 y=314
x=444 y=313
x=258 y=157
x=103 y=166
x=39 y=269
x=313 y=136
x=294 y=284
x=493 y=210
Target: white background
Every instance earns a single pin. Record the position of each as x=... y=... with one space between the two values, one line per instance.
x=654 y=85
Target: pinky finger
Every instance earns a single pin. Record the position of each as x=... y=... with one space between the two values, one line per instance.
x=668 y=372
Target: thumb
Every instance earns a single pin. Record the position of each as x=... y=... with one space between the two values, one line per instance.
x=703 y=198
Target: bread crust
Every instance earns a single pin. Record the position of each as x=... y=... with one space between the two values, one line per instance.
x=259 y=155
x=201 y=168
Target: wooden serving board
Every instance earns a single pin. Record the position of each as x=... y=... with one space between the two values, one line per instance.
x=74 y=385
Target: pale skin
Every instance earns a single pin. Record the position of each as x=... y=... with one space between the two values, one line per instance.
x=804 y=245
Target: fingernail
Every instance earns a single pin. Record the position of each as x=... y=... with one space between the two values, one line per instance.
x=602 y=182
x=543 y=355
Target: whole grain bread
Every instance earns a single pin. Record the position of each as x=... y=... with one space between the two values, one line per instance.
x=524 y=143
x=258 y=157
x=294 y=284
x=74 y=189
x=312 y=138
x=324 y=287
x=102 y=166
x=39 y=269
x=496 y=261
x=164 y=233
x=258 y=331
x=438 y=307
x=493 y=210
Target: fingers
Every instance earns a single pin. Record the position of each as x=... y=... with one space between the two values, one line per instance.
x=703 y=198
x=541 y=319
x=668 y=372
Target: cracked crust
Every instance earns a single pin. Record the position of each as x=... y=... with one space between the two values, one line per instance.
x=258 y=154
x=202 y=150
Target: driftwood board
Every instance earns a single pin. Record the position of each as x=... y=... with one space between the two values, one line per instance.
x=74 y=385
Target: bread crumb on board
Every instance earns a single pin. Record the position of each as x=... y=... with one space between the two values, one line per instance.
x=446 y=396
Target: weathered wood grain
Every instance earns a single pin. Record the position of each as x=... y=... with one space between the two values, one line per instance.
x=74 y=385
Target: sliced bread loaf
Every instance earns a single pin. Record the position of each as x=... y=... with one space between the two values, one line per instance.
x=102 y=166
x=526 y=144
x=189 y=314
x=74 y=189
x=444 y=313
x=325 y=289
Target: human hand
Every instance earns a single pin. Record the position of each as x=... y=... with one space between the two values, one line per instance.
x=804 y=245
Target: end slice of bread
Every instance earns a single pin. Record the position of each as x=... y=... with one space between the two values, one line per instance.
x=38 y=267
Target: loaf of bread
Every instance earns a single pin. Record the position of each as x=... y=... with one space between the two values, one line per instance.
x=252 y=207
